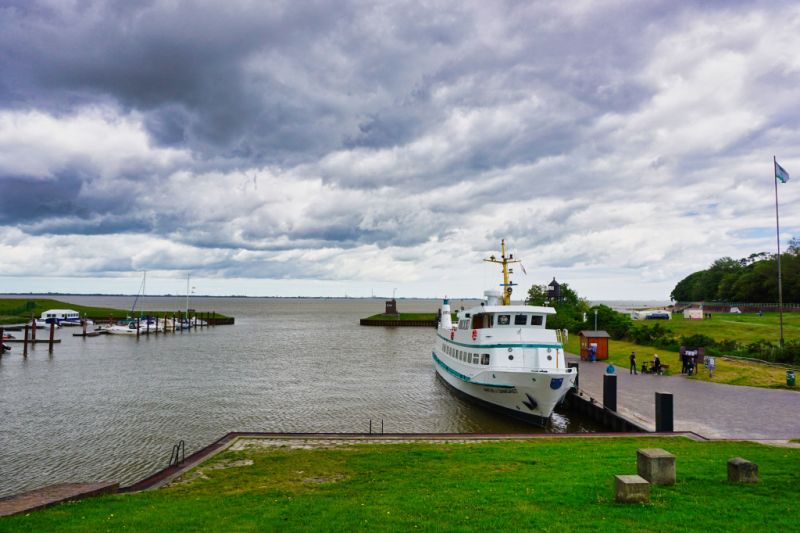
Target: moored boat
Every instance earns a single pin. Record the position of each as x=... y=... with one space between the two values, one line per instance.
x=502 y=356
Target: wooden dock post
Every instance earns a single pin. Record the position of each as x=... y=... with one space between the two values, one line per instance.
x=214 y=316
x=137 y=328
x=25 y=344
x=2 y=349
x=33 y=328
x=83 y=323
x=53 y=333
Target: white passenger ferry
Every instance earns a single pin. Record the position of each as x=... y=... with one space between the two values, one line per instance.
x=502 y=355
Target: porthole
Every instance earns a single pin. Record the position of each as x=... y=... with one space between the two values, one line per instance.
x=510 y=357
x=549 y=357
x=511 y=349
x=549 y=350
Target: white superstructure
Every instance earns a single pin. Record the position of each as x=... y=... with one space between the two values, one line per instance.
x=503 y=356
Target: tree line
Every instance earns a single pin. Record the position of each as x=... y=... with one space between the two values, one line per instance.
x=752 y=279
x=574 y=313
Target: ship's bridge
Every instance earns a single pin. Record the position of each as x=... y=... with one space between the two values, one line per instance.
x=502 y=316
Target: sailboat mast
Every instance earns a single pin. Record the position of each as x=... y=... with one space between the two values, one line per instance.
x=187 y=296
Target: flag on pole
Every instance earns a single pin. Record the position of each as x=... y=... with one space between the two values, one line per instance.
x=780 y=173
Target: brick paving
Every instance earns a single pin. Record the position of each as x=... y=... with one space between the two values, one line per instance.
x=712 y=410
x=51 y=495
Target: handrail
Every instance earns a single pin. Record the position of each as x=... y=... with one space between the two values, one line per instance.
x=178 y=454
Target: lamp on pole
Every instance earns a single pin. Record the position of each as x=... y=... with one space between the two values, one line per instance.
x=595 y=319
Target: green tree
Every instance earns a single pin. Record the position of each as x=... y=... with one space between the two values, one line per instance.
x=569 y=309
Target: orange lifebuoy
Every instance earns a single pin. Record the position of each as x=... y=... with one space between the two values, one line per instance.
x=474 y=334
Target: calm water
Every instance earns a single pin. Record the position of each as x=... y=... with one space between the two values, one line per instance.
x=111 y=408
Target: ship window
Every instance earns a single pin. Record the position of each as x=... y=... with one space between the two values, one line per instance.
x=485 y=359
x=520 y=320
x=477 y=321
x=536 y=320
x=475 y=359
x=503 y=320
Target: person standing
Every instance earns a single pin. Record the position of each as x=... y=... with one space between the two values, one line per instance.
x=633 y=363
x=656 y=364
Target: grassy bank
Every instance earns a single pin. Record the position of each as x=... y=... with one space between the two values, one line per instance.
x=19 y=310
x=404 y=316
x=540 y=484
x=728 y=371
x=744 y=328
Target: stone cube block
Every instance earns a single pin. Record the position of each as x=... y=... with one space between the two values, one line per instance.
x=656 y=465
x=742 y=471
x=631 y=489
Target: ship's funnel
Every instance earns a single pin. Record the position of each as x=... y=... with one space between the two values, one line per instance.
x=492 y=297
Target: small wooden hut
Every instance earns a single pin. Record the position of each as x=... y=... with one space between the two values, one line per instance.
x=594 y=339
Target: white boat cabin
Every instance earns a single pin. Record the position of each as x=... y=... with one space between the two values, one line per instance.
x=507 y=316
x=61 y=315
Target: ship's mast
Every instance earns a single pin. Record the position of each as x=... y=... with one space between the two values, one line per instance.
x=505 y=261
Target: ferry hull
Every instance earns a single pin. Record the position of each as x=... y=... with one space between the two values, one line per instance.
x=526 y=396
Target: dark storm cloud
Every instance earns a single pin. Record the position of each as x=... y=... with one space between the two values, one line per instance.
x=262 y=129
x=294 y=80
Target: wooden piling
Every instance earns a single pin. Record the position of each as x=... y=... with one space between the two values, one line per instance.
x=83 y=323
x=53 y=333
x=33 y=328
x=25 y=344
x=137 y=328
x=214 y=316
x=2 y=349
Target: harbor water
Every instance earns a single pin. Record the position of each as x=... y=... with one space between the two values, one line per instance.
x=111 y=407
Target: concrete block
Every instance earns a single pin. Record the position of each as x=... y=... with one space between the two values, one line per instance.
x=742 y=471
x=631 y=489
x=656 y=465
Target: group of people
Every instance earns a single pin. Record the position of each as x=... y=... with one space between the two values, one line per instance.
x=655 y=367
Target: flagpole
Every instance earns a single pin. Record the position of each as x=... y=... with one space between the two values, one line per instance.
x=778 y=233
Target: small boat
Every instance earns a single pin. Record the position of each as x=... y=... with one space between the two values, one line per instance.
x=126 y=328
x=61 y=317
x=502 y=356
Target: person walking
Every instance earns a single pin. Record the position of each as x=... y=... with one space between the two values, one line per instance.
x=633 y=363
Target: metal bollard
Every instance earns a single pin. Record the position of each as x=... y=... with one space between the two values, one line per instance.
x=664 y=412
x=610 y=391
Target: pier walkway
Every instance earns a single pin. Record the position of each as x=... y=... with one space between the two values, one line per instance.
x=712 y=410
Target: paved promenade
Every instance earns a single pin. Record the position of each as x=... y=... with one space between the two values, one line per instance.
x=712 y=410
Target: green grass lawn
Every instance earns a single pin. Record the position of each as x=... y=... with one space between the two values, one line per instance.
x=728 y=371
x=19 y=310
x=536 y=485
x=745 y=328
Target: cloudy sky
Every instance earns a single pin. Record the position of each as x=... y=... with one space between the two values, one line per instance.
x=332 y=148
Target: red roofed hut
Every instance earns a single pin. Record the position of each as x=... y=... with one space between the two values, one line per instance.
x=596 y=339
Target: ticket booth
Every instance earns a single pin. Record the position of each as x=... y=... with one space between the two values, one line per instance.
x=594 y=342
